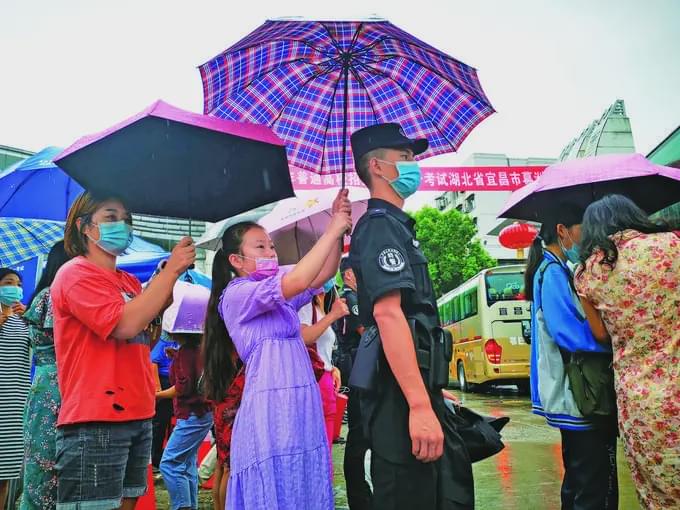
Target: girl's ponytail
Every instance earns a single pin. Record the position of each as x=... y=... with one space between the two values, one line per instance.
x=218 y=352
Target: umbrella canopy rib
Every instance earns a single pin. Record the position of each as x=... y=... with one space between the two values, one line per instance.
x=30 y=233
x=420 y=108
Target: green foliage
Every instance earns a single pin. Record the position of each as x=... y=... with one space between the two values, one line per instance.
x=447 y=241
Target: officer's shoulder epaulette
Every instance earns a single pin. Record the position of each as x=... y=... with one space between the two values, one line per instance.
x=375 y=213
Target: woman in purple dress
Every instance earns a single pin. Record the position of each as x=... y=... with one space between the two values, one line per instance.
x=279 y=451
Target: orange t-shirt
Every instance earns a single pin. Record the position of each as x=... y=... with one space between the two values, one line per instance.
x=100 y=378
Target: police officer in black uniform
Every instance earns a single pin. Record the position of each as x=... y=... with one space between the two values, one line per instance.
x=413 y=465
x=359 y=493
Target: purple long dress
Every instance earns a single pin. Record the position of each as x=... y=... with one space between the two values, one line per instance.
x=279 y=453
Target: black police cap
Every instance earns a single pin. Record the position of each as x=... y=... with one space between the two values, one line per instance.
x=384 y=136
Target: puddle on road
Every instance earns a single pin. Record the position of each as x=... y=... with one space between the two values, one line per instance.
x=527 y=474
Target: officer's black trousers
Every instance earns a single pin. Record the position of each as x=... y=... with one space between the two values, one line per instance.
x=358 y=491
x=590 y=475
x=406 y=486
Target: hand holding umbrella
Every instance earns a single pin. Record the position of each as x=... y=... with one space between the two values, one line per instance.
x=341 y=222
x=182 y=257
x=342 y=204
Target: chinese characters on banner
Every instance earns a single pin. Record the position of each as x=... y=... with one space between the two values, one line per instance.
x=481 y=178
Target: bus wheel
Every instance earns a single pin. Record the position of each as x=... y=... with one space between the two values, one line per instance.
x=462 y=380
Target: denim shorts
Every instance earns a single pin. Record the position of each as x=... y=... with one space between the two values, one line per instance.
x=98 y=464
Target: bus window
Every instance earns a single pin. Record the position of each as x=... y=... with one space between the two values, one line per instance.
x=504 y=287
x=470 y=303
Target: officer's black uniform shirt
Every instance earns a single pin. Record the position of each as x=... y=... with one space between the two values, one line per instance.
x=386 y=256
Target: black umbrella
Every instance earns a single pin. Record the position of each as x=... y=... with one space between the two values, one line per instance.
x=169 y=162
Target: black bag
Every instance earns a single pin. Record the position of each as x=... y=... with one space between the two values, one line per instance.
x=366 y=366
x=481 y=434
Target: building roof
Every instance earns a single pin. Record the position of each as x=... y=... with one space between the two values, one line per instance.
x=668 y=151
x=15 y=151
x=610 y=134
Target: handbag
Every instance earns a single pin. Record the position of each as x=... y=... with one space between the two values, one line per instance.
x=480 y=434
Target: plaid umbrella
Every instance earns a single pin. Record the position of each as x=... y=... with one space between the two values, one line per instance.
x=22 y=239
x=316 y=82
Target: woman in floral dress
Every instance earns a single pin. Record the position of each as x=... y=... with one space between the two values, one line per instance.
x=42 y=408
x=630 y=286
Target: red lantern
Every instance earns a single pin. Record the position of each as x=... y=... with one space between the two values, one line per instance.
x=518 y=236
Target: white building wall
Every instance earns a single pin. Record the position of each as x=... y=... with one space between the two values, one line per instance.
x=483 y=206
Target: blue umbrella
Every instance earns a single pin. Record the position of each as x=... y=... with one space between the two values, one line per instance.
x=36 y=188
x=22 y=239
x=194 y=276
x=141 y=258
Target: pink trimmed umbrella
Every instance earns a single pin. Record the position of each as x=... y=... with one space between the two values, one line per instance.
x=166 y=161
x=295 y=224
x=582 y=181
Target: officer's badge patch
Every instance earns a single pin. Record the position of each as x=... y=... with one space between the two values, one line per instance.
x=391 y=260
x=355 y=309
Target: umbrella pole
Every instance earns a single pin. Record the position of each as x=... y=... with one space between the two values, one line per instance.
x=345 y=69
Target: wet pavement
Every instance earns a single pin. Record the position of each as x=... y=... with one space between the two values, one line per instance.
x=527 y=474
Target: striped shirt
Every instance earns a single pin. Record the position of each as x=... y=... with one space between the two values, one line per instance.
x=15 y=370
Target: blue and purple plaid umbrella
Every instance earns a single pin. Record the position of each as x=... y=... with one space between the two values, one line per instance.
x=316 y=82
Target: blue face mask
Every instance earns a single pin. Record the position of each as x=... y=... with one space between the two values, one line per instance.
x=328 y=286
x=573 y=253
x=114 y=237
x=10 y=294
x=406 y=184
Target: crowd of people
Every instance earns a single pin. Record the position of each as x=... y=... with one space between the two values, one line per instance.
x=253 y=359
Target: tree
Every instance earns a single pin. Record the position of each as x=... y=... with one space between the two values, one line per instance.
x=447 y=240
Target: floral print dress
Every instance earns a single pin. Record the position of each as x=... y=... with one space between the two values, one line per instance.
x=639 y=301
x=42 y=408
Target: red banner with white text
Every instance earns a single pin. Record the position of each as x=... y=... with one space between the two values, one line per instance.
x=436 y=178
